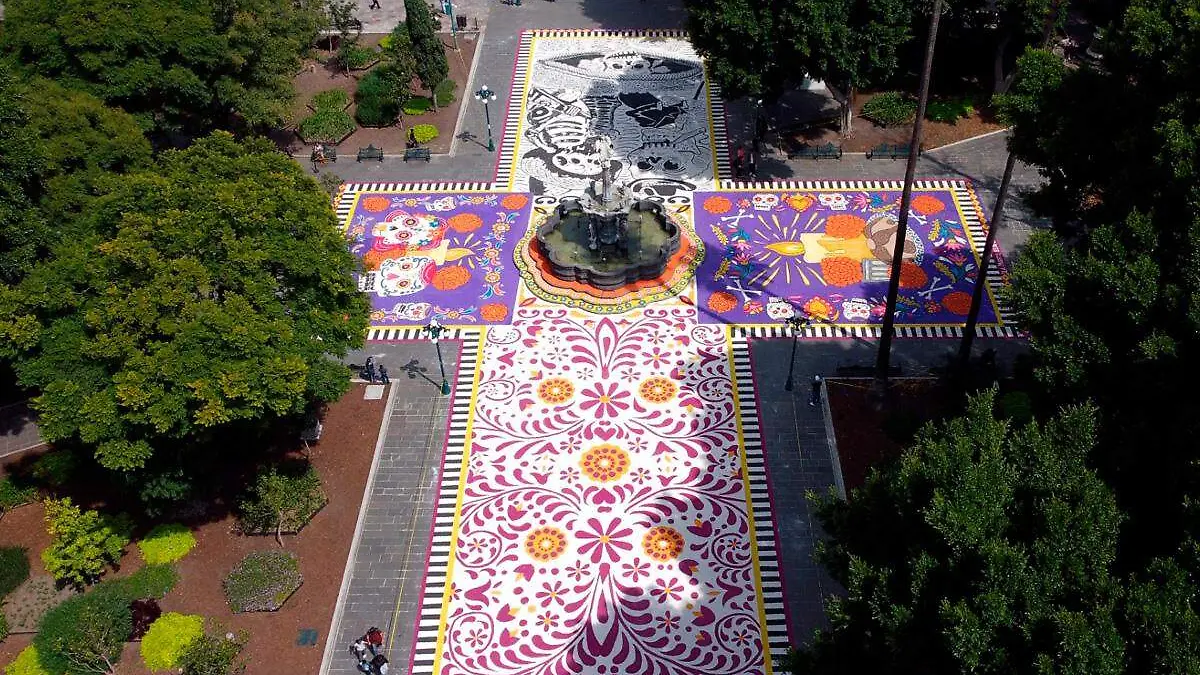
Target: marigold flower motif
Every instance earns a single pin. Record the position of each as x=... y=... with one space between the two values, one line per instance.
x=658 y=389
x=604 y=463
x=662 y=543
x=545 y=543
x=555 y=390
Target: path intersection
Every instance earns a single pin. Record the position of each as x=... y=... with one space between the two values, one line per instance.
x=604 y=501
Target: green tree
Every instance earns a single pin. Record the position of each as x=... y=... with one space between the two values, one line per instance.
x=85 y=634
x=399 y=65
x=427 y=49
x=82 y=543
x=22 y=231
x=214 y=289
x=191 y=65
x=983 y=549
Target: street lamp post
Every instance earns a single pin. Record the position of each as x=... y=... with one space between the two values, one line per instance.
x=435 y=330
x=487 y=96
x=449 y=9
x=795 y=322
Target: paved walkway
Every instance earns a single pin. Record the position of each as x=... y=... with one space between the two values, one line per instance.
x=18 y=430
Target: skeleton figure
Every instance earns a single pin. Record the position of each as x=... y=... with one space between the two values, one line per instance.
x=833 y=200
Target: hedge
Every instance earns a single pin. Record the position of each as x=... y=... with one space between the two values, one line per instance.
x=949 y=110
x=330 y=99
x=14 y=569
x=77 y=636
x=417 y=105
x=168 y=638
x=445 y=92
x=326 y=126
x=166 y=544
x=377 y=107
x=424 y=132
x=152 y=581
x=262 y=581
x=354 y=57
x=890 y=108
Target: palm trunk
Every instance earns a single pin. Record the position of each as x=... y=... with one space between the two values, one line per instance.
x=883 y=359
x=999 y=81
x=985 y=259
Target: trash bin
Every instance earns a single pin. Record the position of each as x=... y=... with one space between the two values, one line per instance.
x=461 y=21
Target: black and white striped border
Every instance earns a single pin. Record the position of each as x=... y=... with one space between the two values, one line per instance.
x=344 y=207
x=510 y=133
x=973 y=220
x=437 y=565
x=597 y=32
x=834 y=331
x=864 y=185
x=403 y=333
x=769 y=572
x=720 y=132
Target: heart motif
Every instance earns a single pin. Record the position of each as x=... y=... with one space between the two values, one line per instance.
x=605 y=432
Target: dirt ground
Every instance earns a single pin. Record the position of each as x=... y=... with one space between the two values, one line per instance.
x=316 y=77
x=343 y=459
x=862 y=441
x=866 y=134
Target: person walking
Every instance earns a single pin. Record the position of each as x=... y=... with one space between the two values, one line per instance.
x=753 y=167
x=383 y=374
x=374 y=5
x=739 y=161
x=362 y=652
x=379 y=665
x=374 y=638
x=369 y=371
x=816 y=391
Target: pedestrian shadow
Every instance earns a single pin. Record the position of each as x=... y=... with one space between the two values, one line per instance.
x=414 y=369
x=468 y=137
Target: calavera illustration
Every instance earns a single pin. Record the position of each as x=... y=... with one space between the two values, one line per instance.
x=764 y=201
x=405 y=276
x=856 y=309
x=780 y=309
x=833 y=200
x=412 y=232
x=412 y=311
x=444 y=204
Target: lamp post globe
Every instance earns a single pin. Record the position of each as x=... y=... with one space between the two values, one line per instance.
x=795 y=323
x=435 y=330
x=487 y=96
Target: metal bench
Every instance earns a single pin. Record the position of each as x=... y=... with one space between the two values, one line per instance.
x=827 y=151
x=370 y=152
x=330 y=153
x=417 y=153
x=889 y=151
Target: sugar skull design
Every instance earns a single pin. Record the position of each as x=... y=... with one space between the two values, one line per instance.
x=779 y=309
x=856 y=309
x=835 y=201
x=765 y=201
x=401 y=233
x=405 y=276
x=444 y=204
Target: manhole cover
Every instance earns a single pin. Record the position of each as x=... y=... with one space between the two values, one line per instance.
x=374 y=392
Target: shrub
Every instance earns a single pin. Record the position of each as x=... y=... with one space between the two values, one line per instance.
x=424 y=132
x=161 y=491
x=890 y=108
x=168 y=638
x=152 y=581
x=54 y=468
x=282 y=501
x=14 y=569
x=948 y=110
x=331 y=183
x=82 y=543
x=326 y=126
x=13 y=494
x=214 y=655
x=330 y=99
x=262 y=581
x=377 y=104
x=444 y=92
x=1017 y=407
x=417 y=105
x=27 y=663
x=84 y=634
x=143 y=614
x=355 y=57
x=166 y=544
x=3 y=627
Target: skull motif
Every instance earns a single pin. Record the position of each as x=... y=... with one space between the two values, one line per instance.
x=833 y=200
x=780 y=309
x=856 y=309
x=405 y=276
x=443 y=204
x=765 y=201
x=413 y=311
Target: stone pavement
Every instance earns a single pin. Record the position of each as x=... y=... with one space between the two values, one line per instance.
x=387 y=566
x=797 y=445
x=391 y=12
x=18 y=430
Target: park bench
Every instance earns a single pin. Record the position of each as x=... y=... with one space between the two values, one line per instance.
x=827 y=151
x=889 y=151
x=416 y=153
x=370 y=152
x=330 y=155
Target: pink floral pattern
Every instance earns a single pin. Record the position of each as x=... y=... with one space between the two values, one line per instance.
x=604 y=605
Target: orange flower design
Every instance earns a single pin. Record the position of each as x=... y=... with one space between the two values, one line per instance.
x=841 y=271
x=957 y=302
x=845 y=226
x=662 y=543
x=464 y=222
x=658 y=389
x=556 y=390
x=376 y=204
x=927 y=205
x=493 y=311
x=820 y=309
x=514 y=202
x=604 y=463
x=717 y=205
x=912 y=276
x=545 y=543
x=799 y=202
x=721 y=302
x=450 y=278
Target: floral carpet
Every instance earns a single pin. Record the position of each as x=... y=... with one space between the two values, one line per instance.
x=603 y=524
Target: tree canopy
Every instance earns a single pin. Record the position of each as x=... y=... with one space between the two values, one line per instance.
x=211 y=288
x=427 y=49
x=983 y=549
x=175 y=65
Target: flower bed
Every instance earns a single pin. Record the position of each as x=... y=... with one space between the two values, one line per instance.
x=263 y=581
